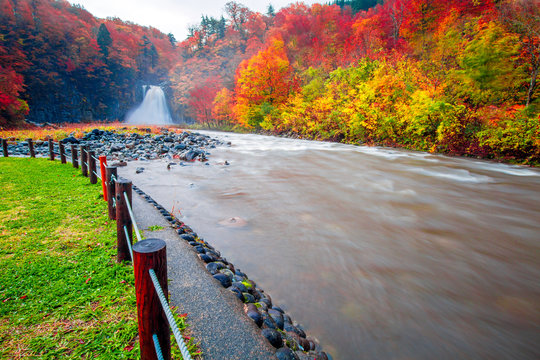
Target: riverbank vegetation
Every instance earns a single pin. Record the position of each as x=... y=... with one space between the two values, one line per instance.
x=455 y=76
x=62 y=293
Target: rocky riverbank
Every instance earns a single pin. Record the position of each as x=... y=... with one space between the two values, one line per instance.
x=185 y=146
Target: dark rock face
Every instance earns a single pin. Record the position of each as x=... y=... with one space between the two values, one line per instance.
x=273 y=337
x=285 y=353
x=214 y=267
x=256 y=316
x=224 y=280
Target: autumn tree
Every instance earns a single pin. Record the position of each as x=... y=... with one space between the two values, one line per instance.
x=263 y=83
x=201 y=100
x=523 y=18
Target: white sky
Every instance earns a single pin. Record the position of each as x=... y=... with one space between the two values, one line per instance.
x=173 y=16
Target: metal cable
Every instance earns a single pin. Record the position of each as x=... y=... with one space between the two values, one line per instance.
x=132 y=218
x=170 y=318
x=159 y=354
x=114 y=202
x=95 y=158
x=85 y=163
x=99 y=177
x=128 y=242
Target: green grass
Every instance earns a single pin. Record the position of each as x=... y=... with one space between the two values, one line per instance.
x=155 y=228
x=62 y=294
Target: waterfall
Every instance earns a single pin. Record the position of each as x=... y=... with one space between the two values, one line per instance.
x=153 y=110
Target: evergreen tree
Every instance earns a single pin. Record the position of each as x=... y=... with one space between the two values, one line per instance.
x=104 y=39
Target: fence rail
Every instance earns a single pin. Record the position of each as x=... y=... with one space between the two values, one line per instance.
x=148 y=257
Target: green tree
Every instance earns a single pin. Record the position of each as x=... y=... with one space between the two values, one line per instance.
x=104 y=39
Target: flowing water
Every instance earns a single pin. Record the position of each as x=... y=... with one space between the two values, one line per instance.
x=153 y=110
x=379 y=253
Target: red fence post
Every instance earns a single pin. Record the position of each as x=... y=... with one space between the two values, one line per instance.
x=111 y=175
x=51 y=150
x=102 y=164
x=31 y=148
x=92 y=167
x=74 y=159
x=123 y=219
x=62 y=152
x=151 y=254
x=4 y=148
x=84 y=167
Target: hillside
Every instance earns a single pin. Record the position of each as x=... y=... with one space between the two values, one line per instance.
x=455 y=76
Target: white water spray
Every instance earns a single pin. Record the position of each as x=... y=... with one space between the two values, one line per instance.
x=153 y=110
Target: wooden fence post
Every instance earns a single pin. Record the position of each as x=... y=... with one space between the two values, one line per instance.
x=74 y=159
x=111 y=175
x=51 y=150
x=102 y=164
x=92 y=167
x=84 y=167
x=123 y=219
x=31 y=148
x=151 y=254
x=5 y=148
x=62 y=152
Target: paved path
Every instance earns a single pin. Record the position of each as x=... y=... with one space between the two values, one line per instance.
x=215 y=315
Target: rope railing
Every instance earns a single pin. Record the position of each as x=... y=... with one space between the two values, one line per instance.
x=159 y=353
x=128 y=242
x=130 y=210
x=169 y=315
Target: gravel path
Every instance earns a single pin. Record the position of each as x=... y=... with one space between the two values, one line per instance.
x=215 y=315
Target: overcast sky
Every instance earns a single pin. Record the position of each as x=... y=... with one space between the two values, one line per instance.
x=172 y=16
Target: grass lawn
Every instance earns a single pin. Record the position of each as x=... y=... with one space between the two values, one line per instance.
x=62 y=294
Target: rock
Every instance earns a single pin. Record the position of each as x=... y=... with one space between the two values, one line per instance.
x=192 y=154
x=223 y=279
x=268 y=322
x=188 y=237
x=278 y=318
x=291 y=328
x=199 y=249
x=180 y=147
x=273 y=337
x=266 y=299
x=285 y=353
x=287 y=318
x=119 y=163
x=168 y=139
x=139 y=170
x=237 y=293
x=206 y=258
x=117 y=147
x=248 y=298
x=227 y=273
x=70 y=140
x=214 y=267
x=234 y=221
x=255 y=316
x=240 y=286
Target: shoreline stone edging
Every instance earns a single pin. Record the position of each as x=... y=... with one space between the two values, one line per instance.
x=284 y=334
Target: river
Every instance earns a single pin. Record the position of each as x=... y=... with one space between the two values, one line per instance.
x=379 y=253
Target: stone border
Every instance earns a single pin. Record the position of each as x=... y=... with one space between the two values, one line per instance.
x=287 y=336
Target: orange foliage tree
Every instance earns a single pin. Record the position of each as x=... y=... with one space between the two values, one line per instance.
x=263 y=83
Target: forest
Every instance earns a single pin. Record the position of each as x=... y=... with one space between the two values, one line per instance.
x=453 y=76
